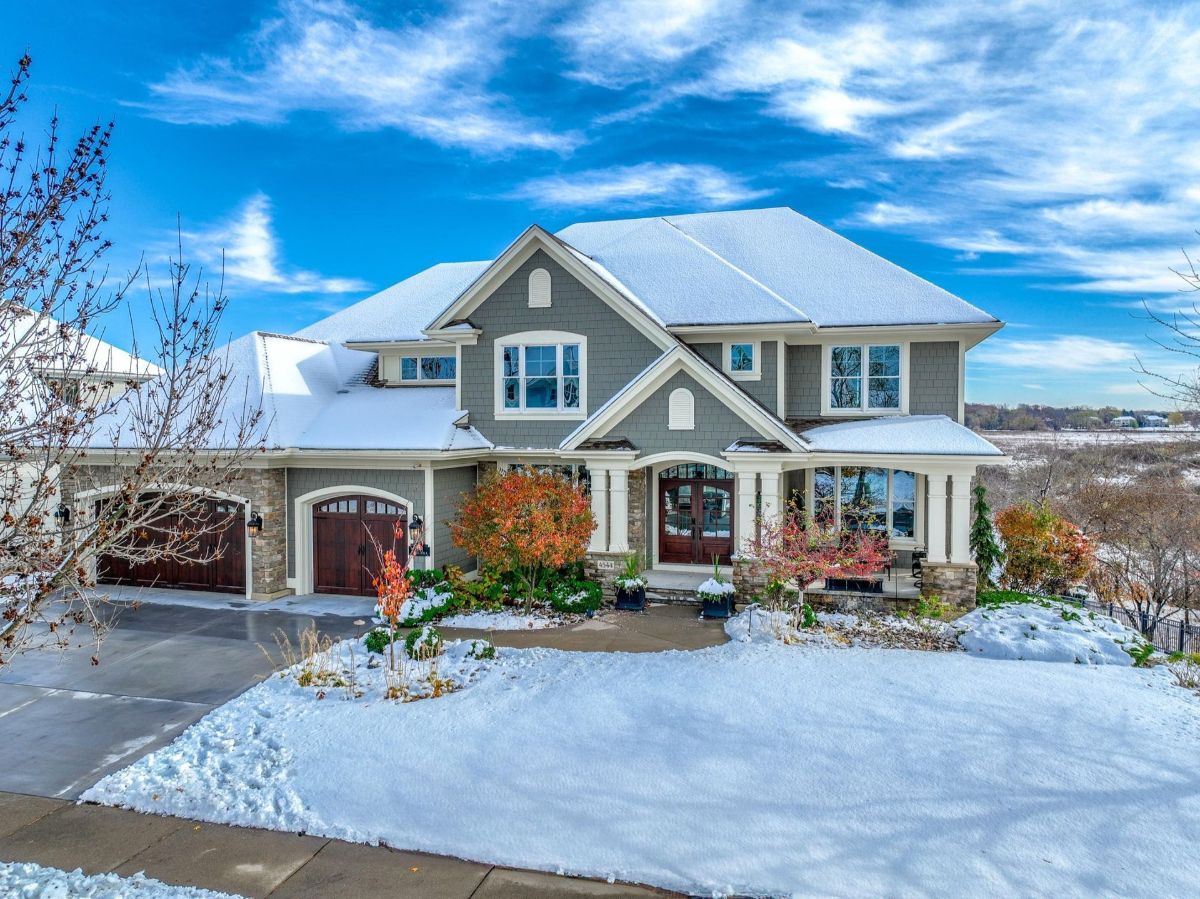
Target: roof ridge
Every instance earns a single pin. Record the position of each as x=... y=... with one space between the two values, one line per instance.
x=706 y=248
x=291 y=337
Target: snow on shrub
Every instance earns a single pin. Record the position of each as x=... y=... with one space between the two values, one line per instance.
x=423 y=643
x=425 y=605
x=714 y=588
x=1047 y=630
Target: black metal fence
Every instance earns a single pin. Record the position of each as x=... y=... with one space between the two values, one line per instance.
x=1169 y=634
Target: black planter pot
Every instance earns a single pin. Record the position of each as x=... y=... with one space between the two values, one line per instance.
x=718 y=608
x=633 y=600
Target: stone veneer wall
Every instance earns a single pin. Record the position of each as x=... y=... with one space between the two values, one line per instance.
x=266 y=490
x=637 y=515
x=951 y=583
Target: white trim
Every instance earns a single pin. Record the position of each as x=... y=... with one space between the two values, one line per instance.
x=655 y=375
x=429 y=523
x=962 y=383
x=827 y=410
x=755 y=373
x=302 y=508
x=531 y=240
x=523 y=339
x=681 y=410
x=781 y=378
x=83 y=498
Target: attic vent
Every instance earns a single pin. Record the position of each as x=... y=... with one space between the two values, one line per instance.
x=539 y=289
x=681 y=410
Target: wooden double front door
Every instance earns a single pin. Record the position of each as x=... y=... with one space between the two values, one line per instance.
x=224 y=547
x=349 y=532
x=695 y=514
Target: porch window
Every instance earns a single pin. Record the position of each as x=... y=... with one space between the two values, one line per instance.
x=427 y=368
x=865 y=378
x=542 y=377
x=863 y=498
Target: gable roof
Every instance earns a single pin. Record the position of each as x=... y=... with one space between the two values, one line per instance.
x=761 y=266
x=681 y=358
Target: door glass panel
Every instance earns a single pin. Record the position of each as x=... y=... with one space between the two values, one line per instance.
x=716 y=512
x=677 y=509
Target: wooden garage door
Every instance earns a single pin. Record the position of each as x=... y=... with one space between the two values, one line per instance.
x=346 y=533
x=225 y=574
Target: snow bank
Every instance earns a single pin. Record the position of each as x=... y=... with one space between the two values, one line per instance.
x=751 y=768
x=1047 y=631
x=499 y=621
x=25 y=880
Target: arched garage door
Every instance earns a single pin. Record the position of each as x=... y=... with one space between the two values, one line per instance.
x=226 y=573
x=346 y=533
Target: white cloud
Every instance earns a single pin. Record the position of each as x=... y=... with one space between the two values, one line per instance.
x=431 y=80
x=644 y=185
x=1066 y=353
x=884 y=214
x=1129 y=390
x=253 y=258
x=1034 y=386
x=830 y=109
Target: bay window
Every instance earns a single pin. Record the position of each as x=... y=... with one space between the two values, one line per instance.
x=540 y=377
x=865 y=378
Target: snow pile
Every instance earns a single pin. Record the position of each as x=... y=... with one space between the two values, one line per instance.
x=875 y=772
x=25 y=880
x=1047 y=631
x=500 y=621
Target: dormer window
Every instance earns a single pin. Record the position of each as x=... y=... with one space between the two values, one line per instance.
x=541 y=373
x=741 y=360
x=427 y=369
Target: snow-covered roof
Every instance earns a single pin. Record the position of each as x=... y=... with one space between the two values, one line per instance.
x=82 y=353
x=932 y=435
x=401 y=311
x=760 y=266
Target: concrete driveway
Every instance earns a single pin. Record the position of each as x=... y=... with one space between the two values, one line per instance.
x=66 y=722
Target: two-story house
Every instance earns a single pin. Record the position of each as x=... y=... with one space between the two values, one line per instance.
x=696 y=371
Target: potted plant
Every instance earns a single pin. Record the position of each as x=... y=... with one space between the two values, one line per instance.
x=717 y=594
x=631 y=586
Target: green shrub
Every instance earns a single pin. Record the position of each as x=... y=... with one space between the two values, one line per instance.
x=426 y=577
x=576 y=596
x=435 y=610
x=483 y=650
x=990 y=599
x=378 y=640
x=808 y=618
x=423 y=643
x=1141 y=654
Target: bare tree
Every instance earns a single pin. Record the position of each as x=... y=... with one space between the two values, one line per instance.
x=1181 y=339
x=76 y=414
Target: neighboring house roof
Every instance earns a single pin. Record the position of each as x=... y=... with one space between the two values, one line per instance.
x=932 y=435
x=92 y=356
x=761 y=266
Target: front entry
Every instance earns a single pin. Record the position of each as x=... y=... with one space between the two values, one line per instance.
x=695 y=514
x=349 y=532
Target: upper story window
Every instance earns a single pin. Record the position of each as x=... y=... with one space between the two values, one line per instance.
x=741 y=360
x=541 y=377
x=865 y=378
x=427 y=368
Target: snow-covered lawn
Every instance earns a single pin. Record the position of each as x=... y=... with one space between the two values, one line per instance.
x=753 y=767
x=501 y=621
x=1048 y=631
x=24 y=880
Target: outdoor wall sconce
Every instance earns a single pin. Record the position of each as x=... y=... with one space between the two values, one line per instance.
x=63 y=515
x=416 y=537
x=254 y=524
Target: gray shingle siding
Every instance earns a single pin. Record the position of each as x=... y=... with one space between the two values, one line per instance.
x=716 y=425
x=616 y=351
x=933 y=378
x=765 y=390
x=803 y=381
x=408 y=483
x=449 y=486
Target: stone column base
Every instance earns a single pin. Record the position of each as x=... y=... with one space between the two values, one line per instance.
x=950 y=582
x=603 y=568
x=749 y=580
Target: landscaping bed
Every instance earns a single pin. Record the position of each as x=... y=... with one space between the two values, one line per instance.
x=756 y=767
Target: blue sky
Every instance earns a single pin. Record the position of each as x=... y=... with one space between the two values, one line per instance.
x=1037 y=161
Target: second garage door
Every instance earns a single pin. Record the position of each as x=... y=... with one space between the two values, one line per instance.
x=346 y=533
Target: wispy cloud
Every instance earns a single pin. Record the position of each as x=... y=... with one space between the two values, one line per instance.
x=644 y=185
x=884 y=214
x=1062 y=354
x=253 y=258
x=429 y=79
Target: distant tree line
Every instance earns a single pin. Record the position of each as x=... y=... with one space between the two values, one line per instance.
x=1033 y=417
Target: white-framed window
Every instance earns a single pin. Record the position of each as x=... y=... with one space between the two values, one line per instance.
x=428 y=368
x=541 y=373
x=863 y=497
x=865 y=378
x=740 y=359
x=539 y=289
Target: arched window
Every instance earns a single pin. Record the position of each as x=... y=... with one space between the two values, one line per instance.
x=539 y=289
x=681 y=410
x=695 y=471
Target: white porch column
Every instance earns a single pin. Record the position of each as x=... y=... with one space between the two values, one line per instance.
x=618 y=523
x=936 y=531
x=747 y=486
x=599 y=541
x=960 y=517
x=772 y=488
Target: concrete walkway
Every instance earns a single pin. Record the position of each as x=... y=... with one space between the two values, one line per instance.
x=259 y=863
x=67 y=720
